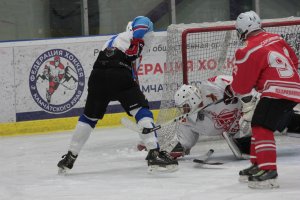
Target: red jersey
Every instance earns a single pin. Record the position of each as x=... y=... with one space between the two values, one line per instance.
x=268 y=64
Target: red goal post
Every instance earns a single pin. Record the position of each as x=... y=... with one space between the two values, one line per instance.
x=198 y=51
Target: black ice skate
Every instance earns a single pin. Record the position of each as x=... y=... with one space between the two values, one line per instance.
x=264 y=179
x=66 y=163
x=246 y=173
x=161 y=161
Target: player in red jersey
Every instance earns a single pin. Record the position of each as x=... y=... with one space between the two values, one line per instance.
x=269 y=65
x=54 y=71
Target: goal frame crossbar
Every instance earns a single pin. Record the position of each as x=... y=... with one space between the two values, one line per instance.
x=188 y=31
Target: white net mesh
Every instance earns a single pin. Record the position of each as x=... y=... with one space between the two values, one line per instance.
x=204 y=53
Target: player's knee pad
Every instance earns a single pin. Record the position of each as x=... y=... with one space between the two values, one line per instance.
x=90 y=121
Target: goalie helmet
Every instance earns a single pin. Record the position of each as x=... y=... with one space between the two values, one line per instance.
x=187 y=98
x=246 y=23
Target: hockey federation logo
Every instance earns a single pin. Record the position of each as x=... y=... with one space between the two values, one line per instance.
x=56 y=81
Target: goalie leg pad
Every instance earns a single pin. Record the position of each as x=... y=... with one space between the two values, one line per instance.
x=187 y=137
x=233 y=146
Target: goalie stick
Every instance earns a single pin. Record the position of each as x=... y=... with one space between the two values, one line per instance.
x=206 y=158
x=133 y=126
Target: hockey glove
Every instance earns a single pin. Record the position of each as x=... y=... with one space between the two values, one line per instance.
x=229 y=97
x=135 y=49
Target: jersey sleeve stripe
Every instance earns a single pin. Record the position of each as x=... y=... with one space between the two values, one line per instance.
x=253 y=50
x=110 y=44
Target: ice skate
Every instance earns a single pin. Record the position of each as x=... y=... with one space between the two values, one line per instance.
x=178 y=151
x=246 y=173
x=66 y=163
x=264 y=179
x=161 y=161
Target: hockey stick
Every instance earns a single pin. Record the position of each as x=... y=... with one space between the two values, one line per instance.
x=133 y=126
x=234 y=148
x=206 y=158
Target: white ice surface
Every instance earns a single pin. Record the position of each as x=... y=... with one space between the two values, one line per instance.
x=110 y=168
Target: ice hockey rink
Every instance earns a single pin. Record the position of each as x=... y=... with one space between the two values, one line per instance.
x=110 y=168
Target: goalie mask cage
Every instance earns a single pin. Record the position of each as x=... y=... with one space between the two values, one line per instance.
x=196 y=52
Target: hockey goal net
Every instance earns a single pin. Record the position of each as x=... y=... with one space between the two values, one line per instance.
x=197 y=52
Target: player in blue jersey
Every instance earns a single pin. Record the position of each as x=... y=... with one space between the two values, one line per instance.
x=111 y=79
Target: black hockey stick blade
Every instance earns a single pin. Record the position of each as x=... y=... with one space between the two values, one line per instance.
x=206 y=158
x=207 y=163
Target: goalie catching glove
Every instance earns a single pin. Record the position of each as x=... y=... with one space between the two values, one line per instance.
x=249 y=102
x=135 y=49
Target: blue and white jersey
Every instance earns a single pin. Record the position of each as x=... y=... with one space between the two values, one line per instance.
x=142 y=28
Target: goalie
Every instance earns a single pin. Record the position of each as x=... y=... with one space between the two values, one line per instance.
x=215 y=120
x=232 y=121
x=218 y=119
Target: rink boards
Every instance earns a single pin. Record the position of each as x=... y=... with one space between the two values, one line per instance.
x=54 y=125
x=24 y=106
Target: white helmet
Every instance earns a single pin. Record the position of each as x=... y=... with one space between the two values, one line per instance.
x=246 y=23
x=187 y=98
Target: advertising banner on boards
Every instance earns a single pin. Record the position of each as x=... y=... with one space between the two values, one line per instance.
x=49 y=78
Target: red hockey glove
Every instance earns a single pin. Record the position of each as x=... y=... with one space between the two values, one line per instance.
x=229 y=97
x=135 y=48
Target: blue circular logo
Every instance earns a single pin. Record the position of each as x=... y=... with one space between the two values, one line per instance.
x=56 y=81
